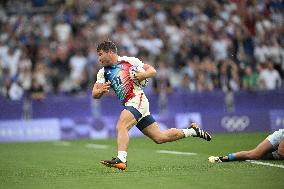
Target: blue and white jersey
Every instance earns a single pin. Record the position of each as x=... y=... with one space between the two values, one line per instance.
x=119 y=76
x=276 y=137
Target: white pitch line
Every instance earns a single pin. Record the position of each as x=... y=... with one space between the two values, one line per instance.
x=176 y=152
x=62 y=143
x=97 y=146
x=267 y=164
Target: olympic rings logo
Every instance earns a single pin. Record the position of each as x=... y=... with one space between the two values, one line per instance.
x=235 y=123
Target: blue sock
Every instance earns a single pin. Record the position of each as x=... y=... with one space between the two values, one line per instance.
x=231 y=156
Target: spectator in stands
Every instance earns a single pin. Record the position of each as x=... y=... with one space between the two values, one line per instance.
x=210 y=71
x=59 y=69
x=187 y=84
x=5 y=82
x=249 y=80
x=162 y=86
x=269 y=78
x=78 y=66
x=37 y=90
x=24 y=76
x=189 y=69
x=39 y=77
x=62 y=30
x=246 y=33
x=223 y=76
x=10 y=60
x=201 y=84
x=220 y=46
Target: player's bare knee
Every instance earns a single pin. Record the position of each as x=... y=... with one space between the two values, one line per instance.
x=121 y=127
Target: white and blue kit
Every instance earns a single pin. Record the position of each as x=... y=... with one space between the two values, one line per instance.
x=276 y=137
x=130 y=95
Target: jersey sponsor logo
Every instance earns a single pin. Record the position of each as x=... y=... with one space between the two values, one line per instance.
x=235 y=123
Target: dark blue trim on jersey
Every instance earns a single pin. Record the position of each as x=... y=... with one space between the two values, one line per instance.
x=134 y=111
x=145 y=122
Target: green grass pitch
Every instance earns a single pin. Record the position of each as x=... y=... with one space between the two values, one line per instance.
x=73 y=165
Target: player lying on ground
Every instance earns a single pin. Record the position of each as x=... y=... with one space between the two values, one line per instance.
x=116 y=74
x=272 y=148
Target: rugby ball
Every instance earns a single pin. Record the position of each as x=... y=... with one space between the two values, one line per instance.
x=132 y=72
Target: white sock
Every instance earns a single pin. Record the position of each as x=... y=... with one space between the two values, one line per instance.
x=189 y=132
x=122 y=155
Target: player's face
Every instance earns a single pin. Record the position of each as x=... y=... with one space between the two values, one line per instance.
x=104 y=58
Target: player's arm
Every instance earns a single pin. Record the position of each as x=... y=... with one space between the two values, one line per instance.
x=101 y=86
x=99 y=89
x=150 y=71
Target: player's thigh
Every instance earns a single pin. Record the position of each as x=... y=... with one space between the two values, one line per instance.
x=153 y=131
x=126 y=120
x=281 y=149
x=264 y=147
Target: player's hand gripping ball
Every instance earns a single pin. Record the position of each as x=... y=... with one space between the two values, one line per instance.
x=132 y=72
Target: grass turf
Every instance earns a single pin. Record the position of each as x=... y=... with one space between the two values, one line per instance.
x=53 y=165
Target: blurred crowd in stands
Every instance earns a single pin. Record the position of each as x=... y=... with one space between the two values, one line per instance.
x=230 y=45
